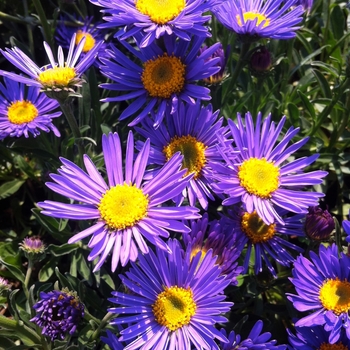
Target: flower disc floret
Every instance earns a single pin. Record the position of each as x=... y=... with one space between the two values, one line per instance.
x=160 y=11
x=57 y=76
x=123 y=206
x=339 y=346
x=255 y=228
x=192 y=150
x=259 y=177
x=164 y=76
x=21 y=112
x=89 y=40
x=174 y=307
x=251 y=16
x=335 y=295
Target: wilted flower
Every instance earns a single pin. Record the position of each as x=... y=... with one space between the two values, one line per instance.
x=58 y=313
x=319 y=224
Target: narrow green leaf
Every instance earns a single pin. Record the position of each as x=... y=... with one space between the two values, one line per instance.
x=59 y=250
x=307 y=104
x=10 y=187
x=16 y=272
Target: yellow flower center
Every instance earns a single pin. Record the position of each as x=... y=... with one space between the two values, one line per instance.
x=57 y=76
x=193 y=152
x=174 y=307
x=339 y=346
x=335 y=295
x=21 y=112
x=259 y=177
x=255 y=228
x=163 y=76
x=123 y=206
x=160 y=11
x=89 y=40
x=251 y=16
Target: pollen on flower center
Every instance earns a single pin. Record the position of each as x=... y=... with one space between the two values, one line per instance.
x=123 y=206
x=89 y=40
x=161 y=11
x=57 y=76
x=259 y=177
x=255 y=228
x=21 y=112
x=339 y=346
x=174 y=307
x=335 y=295
x=193 y=152
x=251 y=16
x=163 y=76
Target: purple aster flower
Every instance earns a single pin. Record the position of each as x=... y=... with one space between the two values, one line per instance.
x=165 y=77
x=86 y=29
x=174 y=301
x=319 y=224
x=306 y=4
x=153 y=19
x=254 y=341
x=56 y=79
x=260 y=176
x=346 y=227
x=193 y=130
x=24 y=110
x=254 y=19
x=267 y=240
x=323 y=288
x=58 y=313
x=112 y=341
x=128 y=210
x=316 y=338
x=207 y=235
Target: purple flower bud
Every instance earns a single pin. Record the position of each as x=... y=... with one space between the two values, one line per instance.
x=261 y=61
x=319 y=224
x=32 y=245
x=4 y=285
x=58 y=313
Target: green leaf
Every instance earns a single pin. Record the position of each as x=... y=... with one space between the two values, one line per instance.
x=47 y=270
x=294 y=113
x=323 y=84
x=307 y=104
x=63 y=280
x=59 y=250
x=16 y=272
x=10 y=187
x=337 y=22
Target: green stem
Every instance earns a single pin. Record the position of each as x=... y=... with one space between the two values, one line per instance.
x=4 y=16
x=29 y=29
x=103 y=322
x=44 y=22
x=27 y=279
x=67 y=110
x=239 y=66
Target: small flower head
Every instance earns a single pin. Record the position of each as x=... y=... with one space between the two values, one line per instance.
x=322 y=284
x=319 y=224
x=25 y=110
x=254 y=19
x=58 y=80
x=4 y=286
x=58 y=313
x=33 y=248
x=346 y=227
x=260 y=61
x=174 y=301
x=254 y=341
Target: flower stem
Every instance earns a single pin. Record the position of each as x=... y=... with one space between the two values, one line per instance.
x=103 y=322
x=27 y=279
x=44 y=22
x=239 y=66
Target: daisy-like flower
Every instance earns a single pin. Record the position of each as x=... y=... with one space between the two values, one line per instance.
x=254 y=341
x=346 y=227
x=58 y=313
x=207 y=235
x=87 y=30
x=323 y=287
x=260 y=175
x=154 y=18
x=193 y=131
x=306 y=4
x=316 y=338
x=174 y=301
x=254 y=19
x=267 y=240
x=24 y=110
x=165 y=77
x=128 y=210
x=112 y=341
x=56 y=79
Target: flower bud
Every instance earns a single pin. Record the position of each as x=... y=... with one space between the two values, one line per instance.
x=220 y=75
x=319 y=224
x=4 y=286
x=260 y=61
x=33 y=248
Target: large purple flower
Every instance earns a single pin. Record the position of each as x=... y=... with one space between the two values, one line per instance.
x=128 y=210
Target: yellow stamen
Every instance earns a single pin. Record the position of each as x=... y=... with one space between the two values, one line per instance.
x=335 y=295
x=255 y=228
x=160 y=11
x=21 y=112
x=339 y=346
x=163 y=76
x=193 y=152
x=259 y=177
x=174 y=307
x=57 y=76
x=123 y=206
x=89 y=40
x=251 y=16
